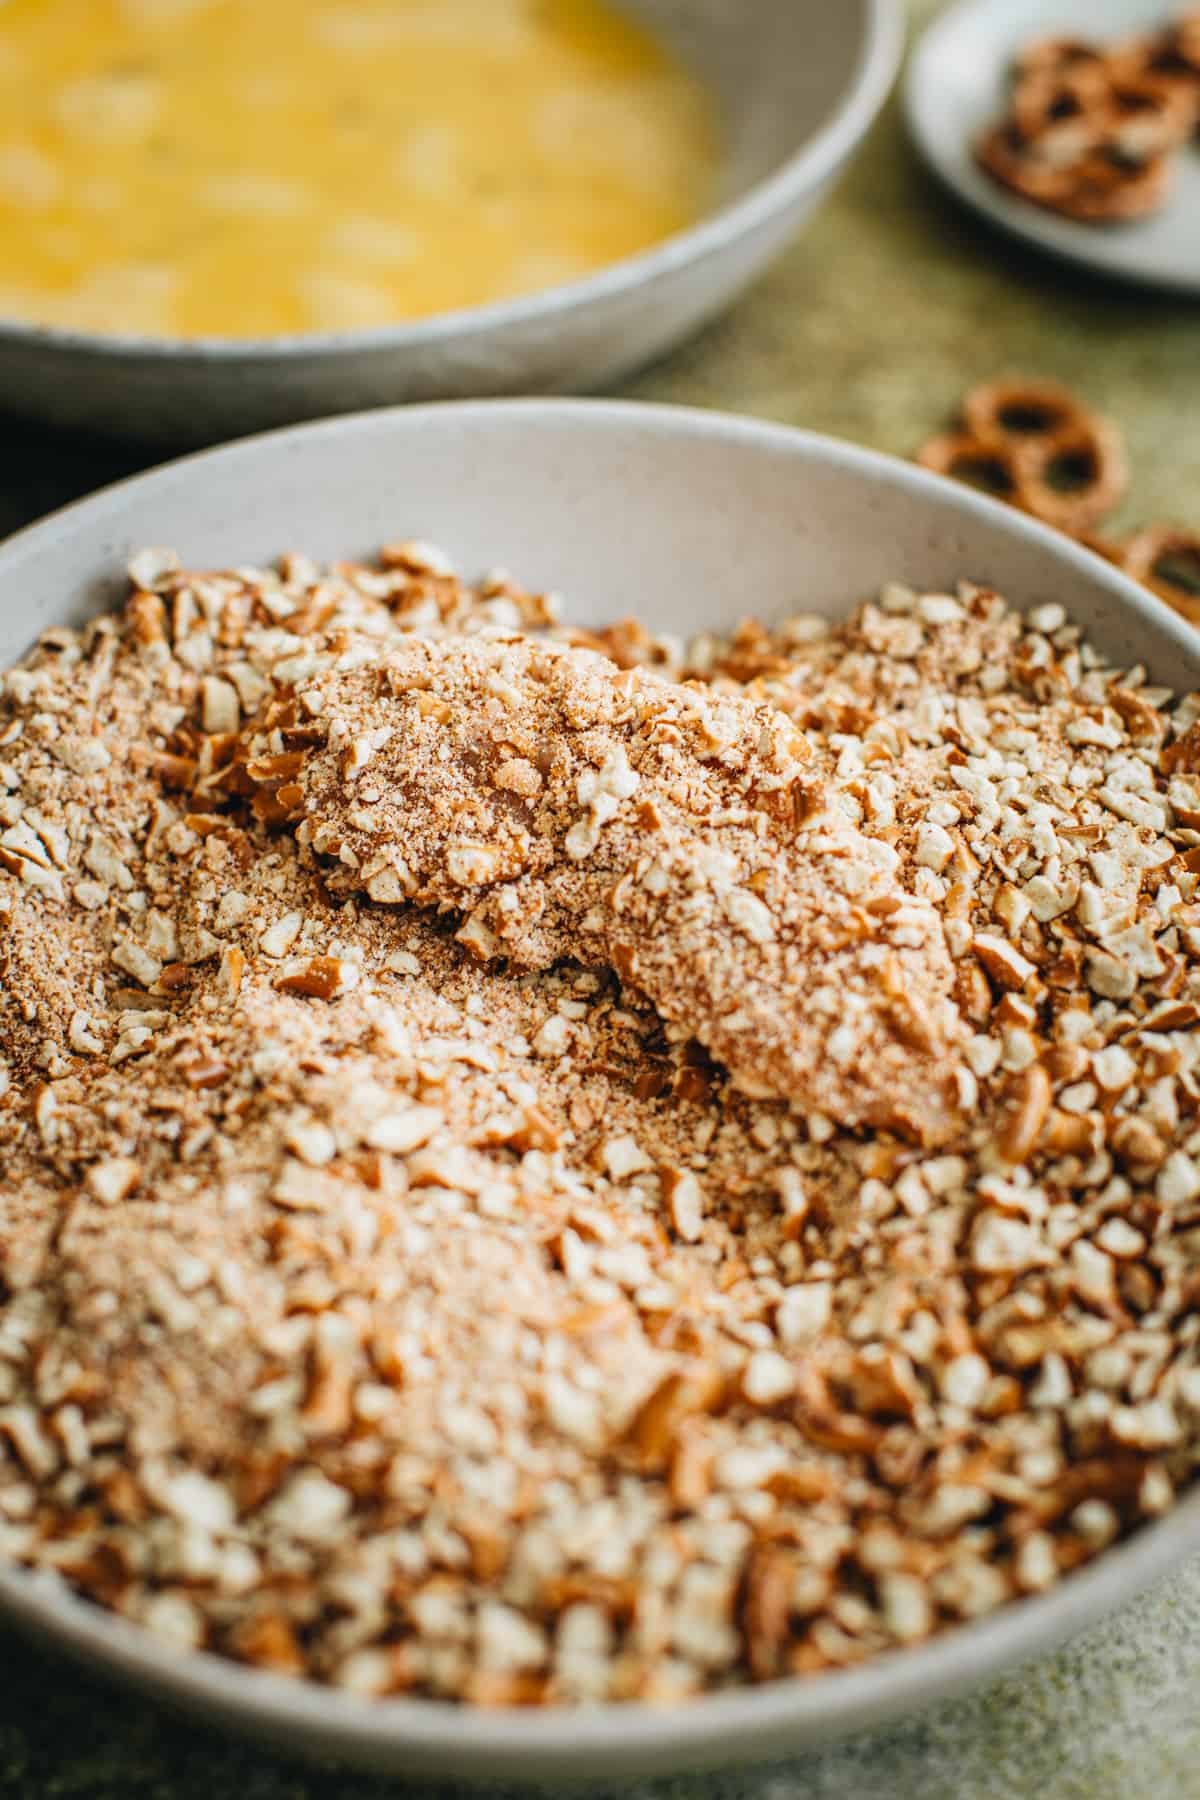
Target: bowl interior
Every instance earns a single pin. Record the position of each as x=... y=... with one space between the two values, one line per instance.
x=778 y=67
x=690 y=520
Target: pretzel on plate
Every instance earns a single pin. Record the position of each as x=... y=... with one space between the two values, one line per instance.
x=1092 y=182
x=1184 y=40
x=1005 y=155
x=1044 y=100
x=1145 y=115
x=1171 y=56
x=1107 y=189
x=1054 y=55
x=1091 y=132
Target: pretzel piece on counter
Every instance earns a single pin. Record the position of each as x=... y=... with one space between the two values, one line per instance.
x=1092 y=453
x=1157 y=556
x=990 y=462
x=1020 y=410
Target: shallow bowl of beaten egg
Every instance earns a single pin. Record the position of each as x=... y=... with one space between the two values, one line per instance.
x=215 y=217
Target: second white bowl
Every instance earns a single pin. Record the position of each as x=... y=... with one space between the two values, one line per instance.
x=799 y=83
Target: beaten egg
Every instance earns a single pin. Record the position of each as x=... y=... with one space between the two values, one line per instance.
x=250 y=168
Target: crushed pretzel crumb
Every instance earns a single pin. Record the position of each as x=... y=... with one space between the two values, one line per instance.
x=547 y=1166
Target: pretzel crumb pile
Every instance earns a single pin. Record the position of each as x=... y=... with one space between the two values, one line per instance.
x=427 y=1262
x=1092 y=131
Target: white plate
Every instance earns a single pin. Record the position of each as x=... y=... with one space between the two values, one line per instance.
x=958 y=82
x=690 y=520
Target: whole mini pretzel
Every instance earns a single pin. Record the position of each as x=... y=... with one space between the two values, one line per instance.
x=1015 y=434
x=1144 y=115
x=963 y=454
x=1092 y=450
x=1184 y=40
x=1105 y=189
x=1049 y=101
x=1144 y=557
x=1091 y=132
x=1094 y=184
x=1020 y=410
x=1004 y=155
x=1171 y=56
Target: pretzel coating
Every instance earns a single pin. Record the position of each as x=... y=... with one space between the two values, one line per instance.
x=1093 y=448
x=1020 y=410
x=1145 y=554
x=561 y=807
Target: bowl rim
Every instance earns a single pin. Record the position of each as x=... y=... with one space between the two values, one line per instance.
x=876 y=64
x=616 y=1739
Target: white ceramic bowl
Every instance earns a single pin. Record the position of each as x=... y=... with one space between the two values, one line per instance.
x=690 y=520
x=799 y=82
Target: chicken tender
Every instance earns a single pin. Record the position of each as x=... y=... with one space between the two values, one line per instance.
x=565 y=808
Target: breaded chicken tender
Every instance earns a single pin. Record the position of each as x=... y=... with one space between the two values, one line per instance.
x=561 y=807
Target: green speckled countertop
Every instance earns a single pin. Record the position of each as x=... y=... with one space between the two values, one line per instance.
x=892 y=303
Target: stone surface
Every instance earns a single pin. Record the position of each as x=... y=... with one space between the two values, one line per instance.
x=892 y=304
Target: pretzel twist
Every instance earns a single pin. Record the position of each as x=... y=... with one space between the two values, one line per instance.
x=1020 y=410
x=1093 y=452
x=990 y=462
x=1055 y=55
x=1147 y=557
